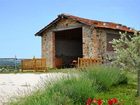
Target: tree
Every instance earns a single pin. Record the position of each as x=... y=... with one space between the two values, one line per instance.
x=127 y=50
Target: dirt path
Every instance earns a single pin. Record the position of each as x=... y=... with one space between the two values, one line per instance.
x=12 y=85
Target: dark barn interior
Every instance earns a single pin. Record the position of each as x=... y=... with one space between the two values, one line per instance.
x=68 y=46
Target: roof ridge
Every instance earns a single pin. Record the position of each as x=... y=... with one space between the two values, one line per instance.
x=66 y=14
x=103 y=24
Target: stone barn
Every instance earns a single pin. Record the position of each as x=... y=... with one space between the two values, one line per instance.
x=68 y=37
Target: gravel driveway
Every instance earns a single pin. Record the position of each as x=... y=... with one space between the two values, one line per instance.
x=12 y=85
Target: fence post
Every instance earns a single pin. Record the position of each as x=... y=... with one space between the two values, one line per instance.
x=21 y=65
x=78 y=63
x=34 y=63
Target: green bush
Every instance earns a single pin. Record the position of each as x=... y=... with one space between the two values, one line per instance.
x=9 y=69
x=105 y=77
x=78 y=89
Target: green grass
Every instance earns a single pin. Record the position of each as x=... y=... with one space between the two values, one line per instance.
x=124 y=93
x=95 y=82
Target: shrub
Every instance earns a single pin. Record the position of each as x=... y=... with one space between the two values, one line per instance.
x=9 y=69
x=105 y=77
x=77 y=89
x=127 y=50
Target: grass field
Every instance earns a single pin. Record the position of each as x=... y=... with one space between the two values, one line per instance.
x=95 y=82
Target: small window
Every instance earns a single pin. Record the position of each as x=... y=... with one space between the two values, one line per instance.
x=110 y=37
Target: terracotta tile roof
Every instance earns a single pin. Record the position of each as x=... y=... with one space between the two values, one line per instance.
x=95 y=23
x=100 y=24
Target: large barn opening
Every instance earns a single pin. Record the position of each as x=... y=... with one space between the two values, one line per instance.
x=68 y=47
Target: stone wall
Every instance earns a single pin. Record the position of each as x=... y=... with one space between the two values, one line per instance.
x=94 y=40
x=88 y=44
x=64 y=24
x=102 y=35
x=48 y=39
x=43 y=45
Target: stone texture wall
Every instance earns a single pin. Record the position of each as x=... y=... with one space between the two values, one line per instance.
x=88 y=44
x=102 y=35
x=43 y=45
x=94 y=40
x=50 y=49
x=65 y=23
x=48 y=39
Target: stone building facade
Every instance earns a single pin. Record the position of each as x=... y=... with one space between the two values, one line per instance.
x=69 y=37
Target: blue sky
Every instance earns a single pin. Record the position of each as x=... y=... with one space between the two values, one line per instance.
x=21 y=19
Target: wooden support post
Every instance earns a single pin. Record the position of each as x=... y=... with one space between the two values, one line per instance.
x=34 y=63
x=78 y=63
x=21 y=65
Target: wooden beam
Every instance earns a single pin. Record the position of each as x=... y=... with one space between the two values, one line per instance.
x=68 y=28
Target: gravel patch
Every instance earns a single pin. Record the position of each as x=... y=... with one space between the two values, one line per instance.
x=13 y=85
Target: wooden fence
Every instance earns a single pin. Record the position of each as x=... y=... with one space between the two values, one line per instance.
x=34 y=64
x=85 y=62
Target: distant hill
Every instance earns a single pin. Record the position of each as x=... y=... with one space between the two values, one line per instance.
x=9 y=61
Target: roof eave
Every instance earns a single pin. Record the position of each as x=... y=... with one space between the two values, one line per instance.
x=83 y=21
x=39 y=33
